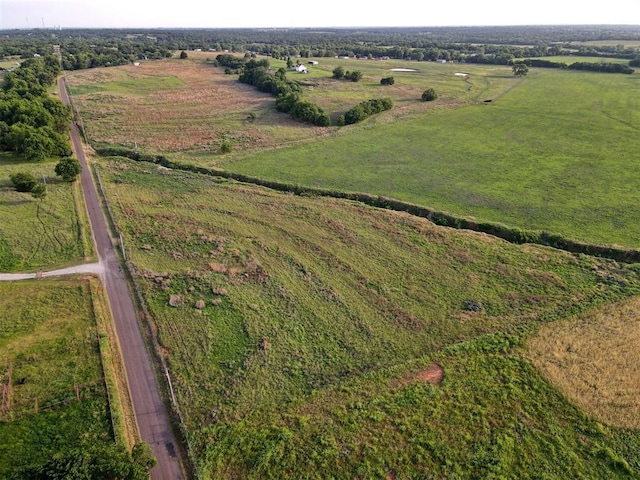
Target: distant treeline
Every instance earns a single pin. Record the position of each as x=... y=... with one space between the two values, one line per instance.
x=510 y=234
x=496 y=45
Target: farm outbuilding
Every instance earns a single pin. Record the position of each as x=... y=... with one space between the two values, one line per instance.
x=301 y=68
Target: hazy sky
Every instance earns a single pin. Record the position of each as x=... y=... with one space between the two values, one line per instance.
x=325 y=13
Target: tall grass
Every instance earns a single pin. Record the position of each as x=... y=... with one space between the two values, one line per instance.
x=39 y=234
x=297 y=329
x=53 y=391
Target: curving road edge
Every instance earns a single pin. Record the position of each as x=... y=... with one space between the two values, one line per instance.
x=151 y=414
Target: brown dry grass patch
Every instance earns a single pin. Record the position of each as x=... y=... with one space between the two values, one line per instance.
x=194 y=117
x=433 y=374
x=593 y=360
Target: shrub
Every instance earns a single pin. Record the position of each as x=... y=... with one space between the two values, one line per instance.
x=23 y=181
x=429 y=95
x=226 y=146
x=387 y=81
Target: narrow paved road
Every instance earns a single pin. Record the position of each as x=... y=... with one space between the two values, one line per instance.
x=150 y=412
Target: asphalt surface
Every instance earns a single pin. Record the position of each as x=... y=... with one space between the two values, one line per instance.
x=150 y=412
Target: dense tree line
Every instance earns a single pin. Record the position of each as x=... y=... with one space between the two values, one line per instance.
x=32 y=123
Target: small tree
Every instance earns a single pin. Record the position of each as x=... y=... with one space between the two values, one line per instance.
x=354 y=76
x=429 y=95
x=387 y=81
x=39 y=191
x=519 y=69
x=338 y=72
x=226 y=146
x=23 y=181
x=68 y=168
x=183 y=55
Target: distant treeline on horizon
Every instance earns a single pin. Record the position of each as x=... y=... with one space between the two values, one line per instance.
x=88 y=48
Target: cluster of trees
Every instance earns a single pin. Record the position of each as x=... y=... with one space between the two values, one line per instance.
x=288 y=94
x=339 y=73
x=32 y=123
x=365 y=109
x=98 y=461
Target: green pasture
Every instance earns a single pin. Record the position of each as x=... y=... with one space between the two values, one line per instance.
x=40 y=234
x=556 y=151
x=53 y=391
x=129 y=86
x=298 y=331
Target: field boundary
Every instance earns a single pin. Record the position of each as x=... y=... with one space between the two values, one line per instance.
x=510 y=234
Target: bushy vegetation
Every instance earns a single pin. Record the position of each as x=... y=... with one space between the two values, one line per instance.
x=606 y=67
x=32 y=123
x=23 y=181
x=365 y=109
x=429 y=95
x=289 y=94
x=339 y=73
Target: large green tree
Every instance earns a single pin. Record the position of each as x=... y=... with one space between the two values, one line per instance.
x=68 y=168
x=519 y=69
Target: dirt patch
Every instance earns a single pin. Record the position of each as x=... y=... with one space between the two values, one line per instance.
x=434 y=374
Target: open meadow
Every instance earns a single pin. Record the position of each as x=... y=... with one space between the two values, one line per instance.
x=553 y=151
x=53 y=392
x=44 y=233
x=334 y=340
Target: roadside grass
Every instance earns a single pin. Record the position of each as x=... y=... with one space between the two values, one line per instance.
x=53 y=390
x=302 y=332
x=40 y=234
x=592 y=360
x=556 y=153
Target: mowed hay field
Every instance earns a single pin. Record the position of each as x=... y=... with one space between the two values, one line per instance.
x=40 y=234
x=53 y=393
x=317 y=338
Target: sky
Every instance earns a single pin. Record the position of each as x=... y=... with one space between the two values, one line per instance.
x=326 y=13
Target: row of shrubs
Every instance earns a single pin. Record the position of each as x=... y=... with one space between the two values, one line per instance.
x=591 y=66
x=288 y=94
x=365 y=109
x=513 y=235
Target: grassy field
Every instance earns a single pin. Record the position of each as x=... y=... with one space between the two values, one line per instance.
x=556 y=153
x=333 y=340
x=553 y=151
x=38 y=234
x=53 y=390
